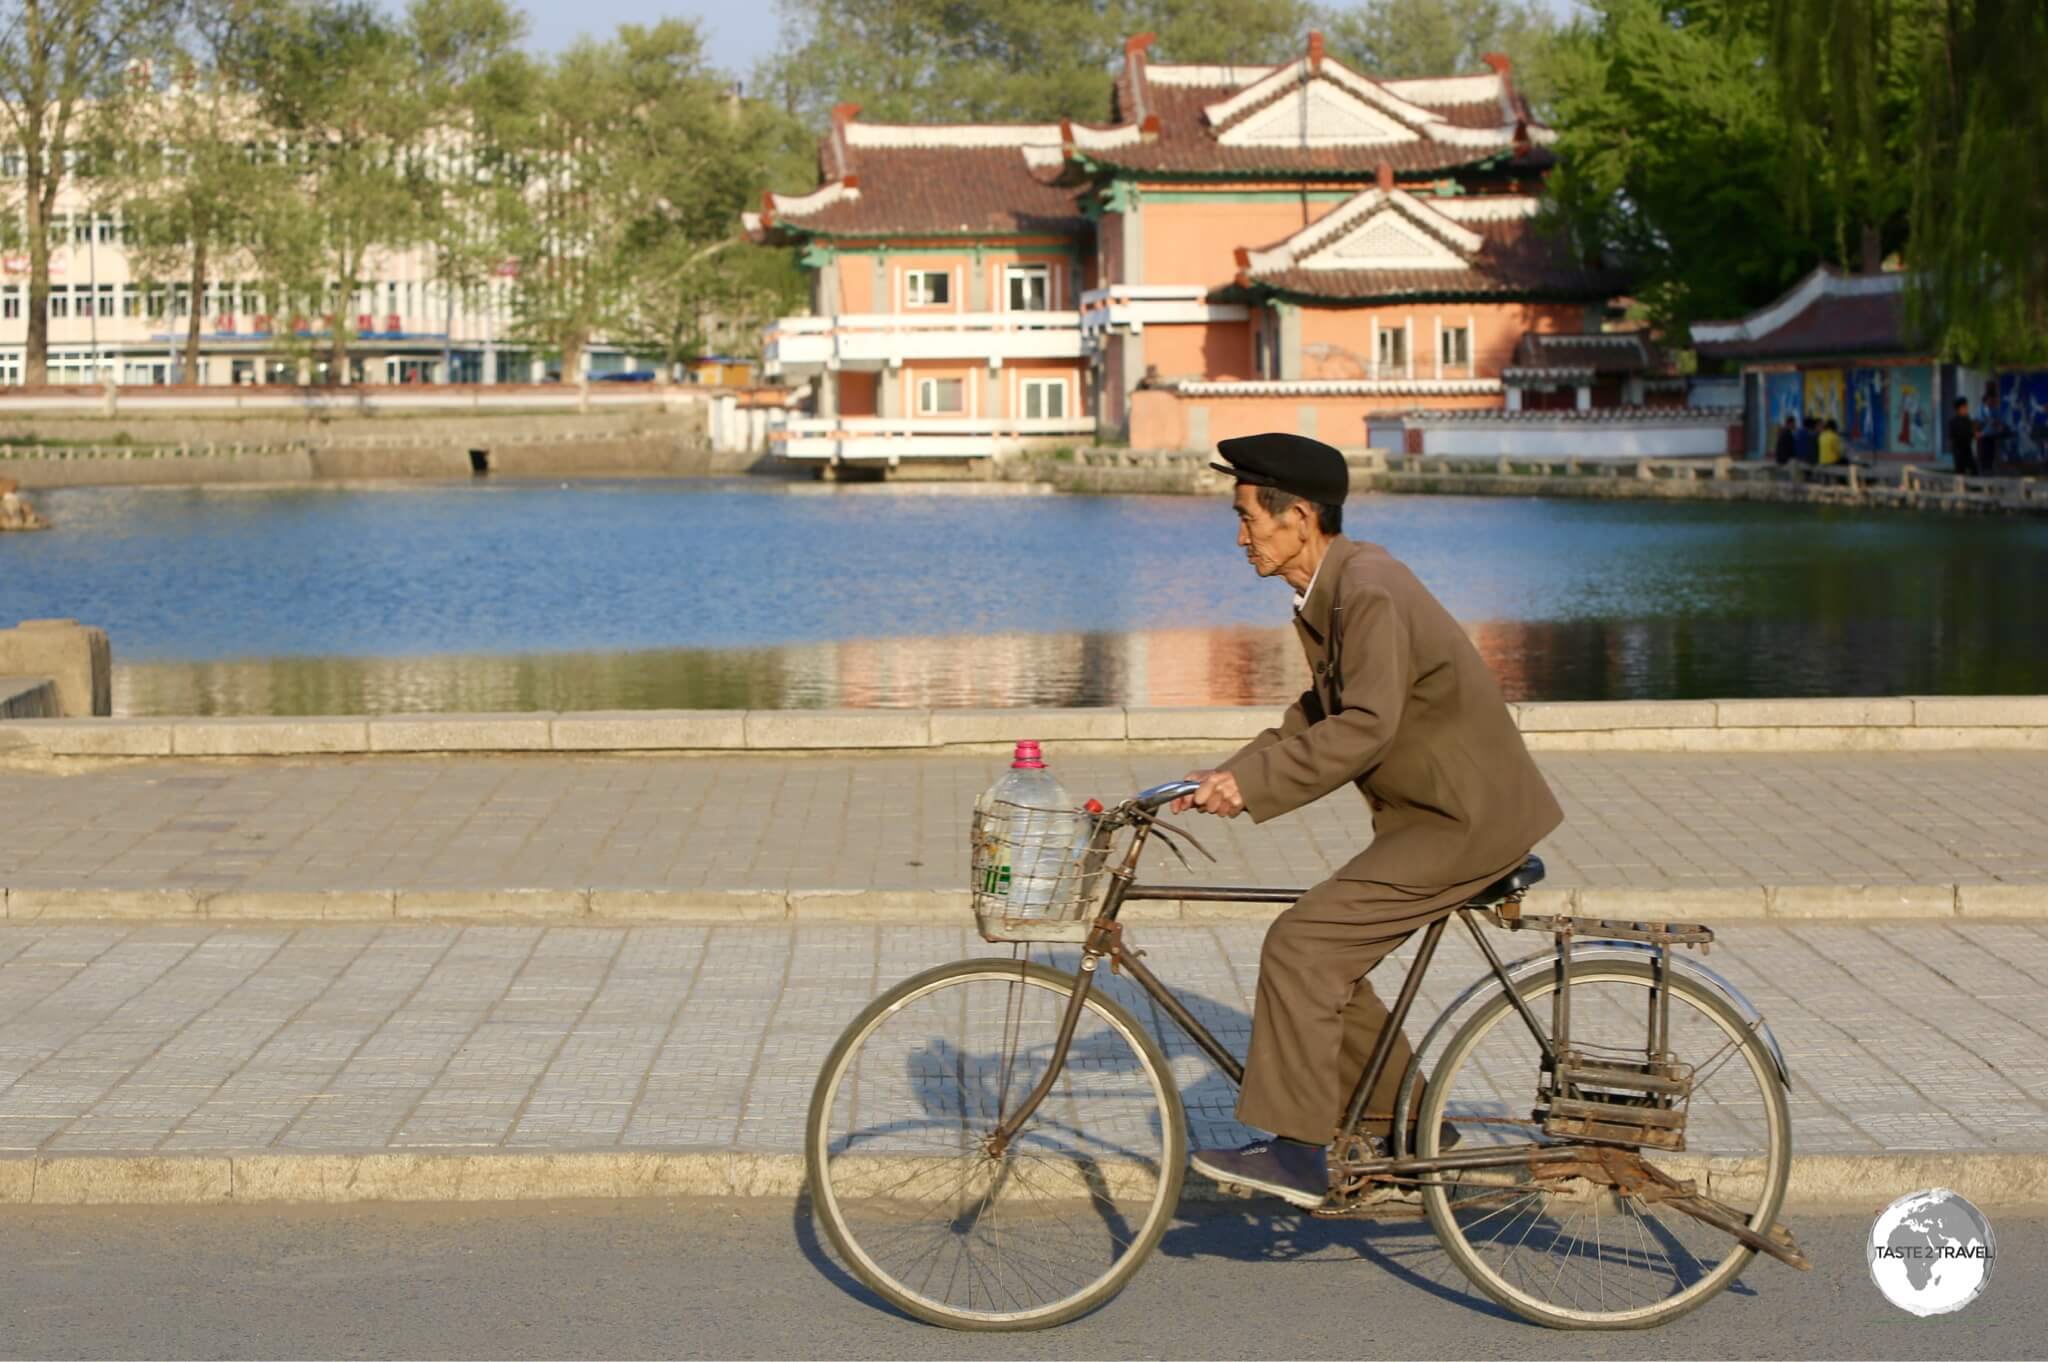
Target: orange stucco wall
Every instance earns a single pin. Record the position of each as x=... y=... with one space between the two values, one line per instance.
x=1337 y=342
x=1204 y=350
x=1195 y=242
x=1010 y=378
x=907 y=378
x=857 y=285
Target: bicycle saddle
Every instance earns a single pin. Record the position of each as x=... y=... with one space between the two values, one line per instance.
x=1529 y=873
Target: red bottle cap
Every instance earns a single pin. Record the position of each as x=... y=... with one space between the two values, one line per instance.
x=1027 y=757
x=1093 y=806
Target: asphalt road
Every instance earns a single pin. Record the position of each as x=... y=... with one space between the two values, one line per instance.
x=714 y=1278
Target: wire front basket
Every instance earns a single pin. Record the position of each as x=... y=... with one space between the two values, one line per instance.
x=1036 y=873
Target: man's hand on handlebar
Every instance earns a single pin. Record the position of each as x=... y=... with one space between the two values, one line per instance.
x=1218 y=795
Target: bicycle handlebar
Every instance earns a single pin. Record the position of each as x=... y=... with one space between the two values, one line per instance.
x=1159 y=795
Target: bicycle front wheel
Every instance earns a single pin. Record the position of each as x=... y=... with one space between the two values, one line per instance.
x=917 y=1203
x=1565 y=1251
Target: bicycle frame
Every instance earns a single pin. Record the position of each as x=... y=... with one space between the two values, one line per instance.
x=1105 y=941
x=1608 y=1155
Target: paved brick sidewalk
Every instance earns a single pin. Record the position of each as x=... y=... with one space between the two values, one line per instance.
x=1665 y=821
x=430 y=1037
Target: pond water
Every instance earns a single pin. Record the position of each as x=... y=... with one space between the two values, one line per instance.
x=499 y=595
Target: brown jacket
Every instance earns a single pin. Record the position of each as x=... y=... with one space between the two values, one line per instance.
x=1402 y=706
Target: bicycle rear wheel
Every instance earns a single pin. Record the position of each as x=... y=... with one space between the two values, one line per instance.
x=1569 y=1252
x=908 y=1190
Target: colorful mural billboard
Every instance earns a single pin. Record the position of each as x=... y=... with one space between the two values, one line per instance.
x=1824 y=395
x=1783 y=397
x=2023 y=410
x=1865 y=427
x=1910 y=401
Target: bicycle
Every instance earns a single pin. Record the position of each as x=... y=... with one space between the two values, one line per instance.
x=998 y=1144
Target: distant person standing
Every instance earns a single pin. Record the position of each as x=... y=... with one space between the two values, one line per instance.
x=1990 y=429
x=1962 y=438
x=1830 y=444
x=1788 y=439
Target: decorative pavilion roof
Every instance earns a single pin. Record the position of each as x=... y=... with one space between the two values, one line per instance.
x=1611 y=352
x=1312 y=116
x=922 y=180
x=1388 y=243
x=1826 y=313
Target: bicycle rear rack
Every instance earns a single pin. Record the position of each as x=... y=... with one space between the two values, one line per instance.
x=1602 y=1099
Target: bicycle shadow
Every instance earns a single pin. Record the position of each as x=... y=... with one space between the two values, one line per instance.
x=1251 y=1231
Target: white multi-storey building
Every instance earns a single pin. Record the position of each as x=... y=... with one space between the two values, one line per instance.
x=105 y=322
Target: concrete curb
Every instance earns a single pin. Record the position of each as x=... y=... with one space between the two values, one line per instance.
x=1873 y=1180
x=1779 y=903
x=1878 y=724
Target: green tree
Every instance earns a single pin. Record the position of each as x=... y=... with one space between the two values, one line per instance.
x=626 y=176
x=1440 y=37
x=1223 y=31
x=376 y=120
x=56 y=56
x=1675 y=157
x=944 y=60
x=177 y=156
x=1935 y=111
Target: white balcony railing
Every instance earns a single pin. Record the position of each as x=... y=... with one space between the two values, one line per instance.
x=1131 y=307
x=873 y=339
x=889 y=439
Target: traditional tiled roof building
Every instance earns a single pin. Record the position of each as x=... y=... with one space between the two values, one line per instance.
x=1238 y=248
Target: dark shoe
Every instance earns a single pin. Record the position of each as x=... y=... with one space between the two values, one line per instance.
x=1298 y=1174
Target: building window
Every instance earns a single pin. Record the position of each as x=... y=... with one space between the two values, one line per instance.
x=1029 y=287
x=1393 y=352
x=1045 y=399
x=10 y=301
x=1456 y=346
x=928 y=288
x=131 y=301
x=106 y=300
x=60 y=301
x=941 y=396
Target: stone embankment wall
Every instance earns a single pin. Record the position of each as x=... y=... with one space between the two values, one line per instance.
x=73 y=660
x=1901 y=723
x=28 y=697
x=41 y=450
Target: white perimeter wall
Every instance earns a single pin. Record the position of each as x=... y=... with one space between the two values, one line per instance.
x=1584 y=439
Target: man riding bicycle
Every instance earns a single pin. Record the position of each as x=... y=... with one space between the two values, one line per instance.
x=1401 y=705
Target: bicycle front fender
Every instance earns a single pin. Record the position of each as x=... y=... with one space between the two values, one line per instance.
x=1488 y=987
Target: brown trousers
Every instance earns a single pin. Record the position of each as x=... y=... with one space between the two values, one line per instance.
x=1317 y=1017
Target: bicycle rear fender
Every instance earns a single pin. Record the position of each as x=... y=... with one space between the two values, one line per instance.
x=1529 y=966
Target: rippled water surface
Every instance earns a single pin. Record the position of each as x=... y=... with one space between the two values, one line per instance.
x=719 y=594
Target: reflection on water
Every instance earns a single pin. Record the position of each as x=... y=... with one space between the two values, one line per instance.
x=516 y=596
x=1162 y=667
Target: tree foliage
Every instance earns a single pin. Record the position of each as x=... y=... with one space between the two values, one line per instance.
x=1934 y=110
x=173 y=156
x=1676 y=159
x=56 y=57
x=1441 y=37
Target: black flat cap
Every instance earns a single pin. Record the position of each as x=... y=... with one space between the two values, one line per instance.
x=1308 y=468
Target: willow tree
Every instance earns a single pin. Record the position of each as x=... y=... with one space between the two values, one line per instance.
x=1939 y=102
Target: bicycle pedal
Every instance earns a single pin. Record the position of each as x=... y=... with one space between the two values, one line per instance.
x=1378 y=1203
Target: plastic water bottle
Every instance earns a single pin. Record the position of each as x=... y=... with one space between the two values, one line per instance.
x=1034 y=839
